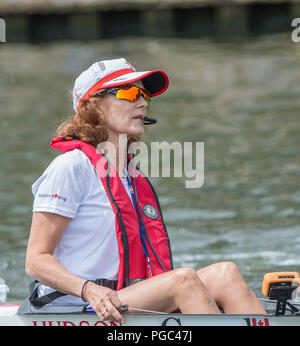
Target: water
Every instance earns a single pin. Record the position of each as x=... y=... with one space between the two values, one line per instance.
x=240 y=98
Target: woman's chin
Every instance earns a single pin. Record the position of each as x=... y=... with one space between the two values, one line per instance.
x=134 y=132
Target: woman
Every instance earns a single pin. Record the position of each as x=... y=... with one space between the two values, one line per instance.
x=97 y=232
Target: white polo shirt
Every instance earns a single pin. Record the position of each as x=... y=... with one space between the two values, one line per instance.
x=71 y=187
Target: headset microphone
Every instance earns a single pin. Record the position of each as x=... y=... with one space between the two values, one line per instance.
x=149 y=121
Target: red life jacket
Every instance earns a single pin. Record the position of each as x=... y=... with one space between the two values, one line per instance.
x=133 y=263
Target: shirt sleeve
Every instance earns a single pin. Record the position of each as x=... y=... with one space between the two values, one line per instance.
x=58 y=189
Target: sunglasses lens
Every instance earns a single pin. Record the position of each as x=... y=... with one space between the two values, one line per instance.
x=146 y=97
x=132 y=94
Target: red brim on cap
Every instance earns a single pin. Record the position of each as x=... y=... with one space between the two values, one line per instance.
x=156 y=81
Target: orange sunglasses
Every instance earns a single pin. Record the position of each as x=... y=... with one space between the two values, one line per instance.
x=129 y=93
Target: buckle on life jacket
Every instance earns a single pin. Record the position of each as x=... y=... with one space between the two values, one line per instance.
x=135 y=281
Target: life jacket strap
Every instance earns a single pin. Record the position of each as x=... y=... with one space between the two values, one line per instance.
x=112 y=284
x=142 y=230
x=37 y=301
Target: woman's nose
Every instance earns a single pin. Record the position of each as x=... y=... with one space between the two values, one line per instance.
x=141 y=102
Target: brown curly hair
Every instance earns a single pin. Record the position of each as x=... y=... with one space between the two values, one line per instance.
x=86 y=124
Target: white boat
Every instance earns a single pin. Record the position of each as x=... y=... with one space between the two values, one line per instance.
x=75 y=316
x=282 y=307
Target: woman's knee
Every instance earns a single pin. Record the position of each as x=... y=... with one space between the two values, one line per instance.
x=185 y=276
x=229 y=274
x=229 y=269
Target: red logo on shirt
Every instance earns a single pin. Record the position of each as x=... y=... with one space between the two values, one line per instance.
x=52 y=195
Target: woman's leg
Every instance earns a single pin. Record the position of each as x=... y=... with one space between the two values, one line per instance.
x=178 y=289
x=229 y=289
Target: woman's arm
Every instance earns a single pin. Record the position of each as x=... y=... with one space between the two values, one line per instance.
x=46 y=231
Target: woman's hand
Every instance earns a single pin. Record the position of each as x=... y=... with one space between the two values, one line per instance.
x=104 y=301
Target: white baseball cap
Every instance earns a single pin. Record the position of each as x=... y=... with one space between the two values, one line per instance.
x=110 y=73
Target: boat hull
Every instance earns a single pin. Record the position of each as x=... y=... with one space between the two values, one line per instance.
x=9 y=317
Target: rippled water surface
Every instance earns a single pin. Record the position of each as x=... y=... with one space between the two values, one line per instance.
x=240 y=98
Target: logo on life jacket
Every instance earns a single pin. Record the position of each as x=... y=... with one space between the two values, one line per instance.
x=150 y=211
